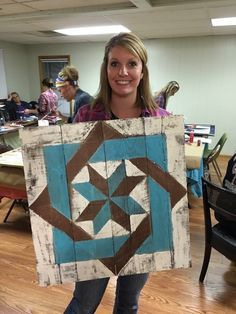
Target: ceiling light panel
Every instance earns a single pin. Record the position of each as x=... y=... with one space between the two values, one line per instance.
x=227 y=21
x=93 y=30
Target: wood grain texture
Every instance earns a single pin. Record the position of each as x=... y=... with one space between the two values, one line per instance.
x=131 y=169
x=177 y=291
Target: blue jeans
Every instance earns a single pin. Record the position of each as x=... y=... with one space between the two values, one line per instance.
x=88 y=294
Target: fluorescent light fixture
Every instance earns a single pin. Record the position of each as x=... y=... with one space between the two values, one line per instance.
x=227 y=21
x=93 y=30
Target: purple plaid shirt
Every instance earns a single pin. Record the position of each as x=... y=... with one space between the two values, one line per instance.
x=48 y=102
x=86 y=113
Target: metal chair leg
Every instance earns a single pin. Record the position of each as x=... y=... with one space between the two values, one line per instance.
x=9 y=211
x=13 y=204
x=218 y=176
x=218 y=168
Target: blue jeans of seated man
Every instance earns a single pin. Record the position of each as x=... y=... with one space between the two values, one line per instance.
x=88 y=294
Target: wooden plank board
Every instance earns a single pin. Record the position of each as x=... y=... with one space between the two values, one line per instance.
x=107 y=198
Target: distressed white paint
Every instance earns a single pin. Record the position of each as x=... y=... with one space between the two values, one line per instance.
x=48 y=274
x=93 y=269
x=100 y=167
x=135 y=221
x=141 y=195
x=112 y=165
x=111 y=228
x=78 y=203
x=68 y=272
x=86 y=226
x=132 y=170
x=42 y=239
x=33 y=142
x=153 y=125
x=76 y=133
x=180 y=220
x=82 y=176
x=128 y=127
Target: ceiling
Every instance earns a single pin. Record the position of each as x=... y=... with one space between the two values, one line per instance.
x=33 y=21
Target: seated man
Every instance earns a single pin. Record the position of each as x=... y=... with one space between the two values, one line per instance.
x=229 y=183
x=18 y=109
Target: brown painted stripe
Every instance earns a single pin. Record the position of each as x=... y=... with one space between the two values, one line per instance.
x=42 y=207
x=128 y=249
x=91 y=211
x=110 y=133
x=127 y=185
x=86 y=150
x=95 y=138
x=176 y=190
x=119 y=216
x=98 y=181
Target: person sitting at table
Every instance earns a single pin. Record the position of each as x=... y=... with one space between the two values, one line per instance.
x=162 y=97
x=18 y=109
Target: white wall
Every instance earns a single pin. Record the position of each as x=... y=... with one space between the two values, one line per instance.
x=16 y=68
x=205 y=69
x=87 y=58
x=3 y=83
x=203 y=66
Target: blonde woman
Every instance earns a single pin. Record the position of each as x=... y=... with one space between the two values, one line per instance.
x=124 y=92
x=164 y=94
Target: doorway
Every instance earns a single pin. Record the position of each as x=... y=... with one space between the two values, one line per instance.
x=50 y=66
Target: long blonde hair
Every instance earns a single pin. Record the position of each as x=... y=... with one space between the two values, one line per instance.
x=131 y=42
x=166 y=91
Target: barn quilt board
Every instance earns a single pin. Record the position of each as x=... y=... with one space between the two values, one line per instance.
x=107 y=198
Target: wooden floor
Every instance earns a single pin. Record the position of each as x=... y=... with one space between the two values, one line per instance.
x=174 y=292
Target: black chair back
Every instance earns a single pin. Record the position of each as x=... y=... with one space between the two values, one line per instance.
x=220 y=235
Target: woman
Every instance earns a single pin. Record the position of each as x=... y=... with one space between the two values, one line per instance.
x=48 y=100
x=163 y=95
x=67 y=84
x=124 y=92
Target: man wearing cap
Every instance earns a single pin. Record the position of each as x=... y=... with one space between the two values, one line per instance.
x=67 y=84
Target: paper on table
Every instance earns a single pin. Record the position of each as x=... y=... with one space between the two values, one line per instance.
x=203 y=140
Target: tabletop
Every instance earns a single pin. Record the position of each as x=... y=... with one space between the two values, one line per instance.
x=9 y=128
x=193 y=155
x=12 y=179
x=12 y=158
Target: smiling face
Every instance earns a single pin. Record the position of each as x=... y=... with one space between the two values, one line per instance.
x=124 y=72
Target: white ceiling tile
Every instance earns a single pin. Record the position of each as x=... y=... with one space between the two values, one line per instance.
x=22 y=20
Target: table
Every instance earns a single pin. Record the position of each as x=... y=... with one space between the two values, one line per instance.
x=9 y=135
x=193 y=155
x=12 y=180
x=194 y=167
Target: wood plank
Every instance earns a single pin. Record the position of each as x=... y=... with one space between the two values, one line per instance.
x=80 y=161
